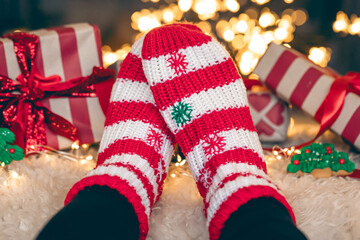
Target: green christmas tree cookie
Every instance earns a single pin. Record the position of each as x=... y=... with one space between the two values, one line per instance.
x=9 y=152
x=321 y=160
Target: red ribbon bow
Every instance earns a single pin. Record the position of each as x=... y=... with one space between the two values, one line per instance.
x=20 y=106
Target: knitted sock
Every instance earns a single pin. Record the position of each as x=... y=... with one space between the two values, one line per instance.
x=203 y=101
x=136 y=146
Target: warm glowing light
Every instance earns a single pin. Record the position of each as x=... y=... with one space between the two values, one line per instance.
x=232 y=5
x=287 y=45
x=205 y=7
x=182 y=162
x=185 y=5
x=316 y=54
x=257 y=44
x=168 y=16
x=85 y=146
x=253 y=63
x=229 y=35
x=177 y=164
x=89 y=157
x=242 y=26
x=355 y=27
x=266 y=19
x=289 y=37
x=147 y=23
x=268 y=37
x=299 y=17
x=238 y=41
x=245 y=62
x=109 y=58
x=341 y=23
x=83 y=161
x=275 y=152
x=285 y=23
x=260 y=2
x=178 y=158
x=204 y=26
x=247 y=34
x=75 y=145
x=106 y=48
x=123 y=51
x=280 y=33
x=14 y=174
x=252 y=13
x=173 y=175
x=253 y=76
x=3 y=164
x=320 y=55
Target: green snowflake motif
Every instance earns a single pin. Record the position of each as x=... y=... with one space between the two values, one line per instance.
x=181 y=113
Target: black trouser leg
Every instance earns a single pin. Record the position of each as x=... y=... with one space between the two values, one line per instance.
x=261 y=218
x=97 y=212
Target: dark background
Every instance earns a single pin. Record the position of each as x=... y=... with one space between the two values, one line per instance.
x=113 y=19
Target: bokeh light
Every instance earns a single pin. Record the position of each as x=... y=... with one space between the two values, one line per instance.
x=185 y=5
x=245 y=27
x=320 y=55
x=344 y=25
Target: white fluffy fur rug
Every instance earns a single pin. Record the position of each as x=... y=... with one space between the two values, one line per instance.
x=325 y=209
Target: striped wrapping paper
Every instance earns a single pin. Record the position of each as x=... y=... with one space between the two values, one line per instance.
x=297 y=80
x=70 y=51
x=270 y=116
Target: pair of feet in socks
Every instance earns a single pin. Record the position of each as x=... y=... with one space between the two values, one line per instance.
x=179 y=85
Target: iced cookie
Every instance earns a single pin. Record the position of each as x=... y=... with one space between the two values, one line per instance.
x=321 y=161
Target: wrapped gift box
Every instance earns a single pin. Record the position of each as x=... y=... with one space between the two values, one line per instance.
x=70 y=52
x=297 y=80
x=270 y=115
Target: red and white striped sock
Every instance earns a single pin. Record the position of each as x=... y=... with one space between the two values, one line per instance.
x=136 y=146
x=203 y=101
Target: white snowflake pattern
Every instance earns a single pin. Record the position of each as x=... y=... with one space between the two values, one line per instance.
x=205 y=178
x=159 y=170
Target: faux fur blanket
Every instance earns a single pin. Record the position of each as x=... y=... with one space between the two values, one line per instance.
x=325 y=209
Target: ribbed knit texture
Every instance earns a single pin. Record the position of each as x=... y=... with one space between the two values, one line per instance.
x=203 y=101
x=136 y=146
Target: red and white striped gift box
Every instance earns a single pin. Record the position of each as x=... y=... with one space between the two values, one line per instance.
x=297 y=80
x=70 y=51
x=270 y=116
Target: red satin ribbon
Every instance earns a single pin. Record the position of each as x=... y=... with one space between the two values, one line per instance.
x=20 y=106
x=331 y=107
